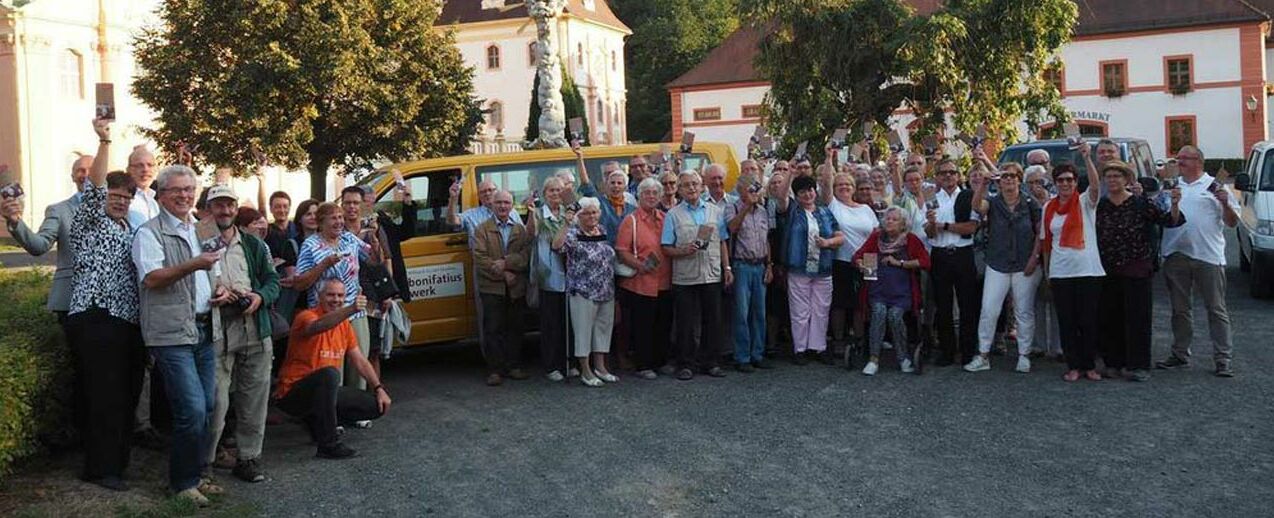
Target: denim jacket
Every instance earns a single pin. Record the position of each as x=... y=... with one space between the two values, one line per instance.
x=795 y=246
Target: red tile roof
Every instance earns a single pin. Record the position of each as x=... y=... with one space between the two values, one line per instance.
x=471 y=11
x=731 y=62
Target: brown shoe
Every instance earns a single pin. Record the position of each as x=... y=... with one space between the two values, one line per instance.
x=225 y=459
x=518 y=374
x=494 y=379
x=208 y=487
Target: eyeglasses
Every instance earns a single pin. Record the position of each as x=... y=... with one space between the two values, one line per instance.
x=1065 y=179
x=1006 y=176
x=123 y=198
x=182 y=190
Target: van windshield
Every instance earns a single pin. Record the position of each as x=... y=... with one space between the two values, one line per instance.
x=521 y=179
x=1057 y=153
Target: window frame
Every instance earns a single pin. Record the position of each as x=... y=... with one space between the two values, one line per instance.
x=498 y=57
x=1123 y=73
x=706 y=114
x=1167 y=130
x=74 y=60
x=1060 y=84
x=1168 y=74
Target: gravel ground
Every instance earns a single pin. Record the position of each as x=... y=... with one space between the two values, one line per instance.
x=805 y=441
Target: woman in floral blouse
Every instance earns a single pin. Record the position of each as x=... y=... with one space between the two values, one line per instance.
x=1124 y=224
x=102 y=323
x=590 y=286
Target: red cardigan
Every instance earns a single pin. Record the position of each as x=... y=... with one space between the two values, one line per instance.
x=915 y=250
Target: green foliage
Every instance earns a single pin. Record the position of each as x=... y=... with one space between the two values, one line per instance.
x=35 y=370
x=572 y=102
x=311 y=82
x=669 y=38
x=837 y=63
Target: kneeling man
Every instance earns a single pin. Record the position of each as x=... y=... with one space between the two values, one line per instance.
x=310 y=379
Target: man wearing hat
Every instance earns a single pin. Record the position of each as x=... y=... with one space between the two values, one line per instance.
x=247 y=278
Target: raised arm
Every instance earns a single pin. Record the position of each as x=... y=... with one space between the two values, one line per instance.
x=101 y=161
x=453 y=205
x=1094 y=176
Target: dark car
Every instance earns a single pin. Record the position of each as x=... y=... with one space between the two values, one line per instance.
x=1136 y=152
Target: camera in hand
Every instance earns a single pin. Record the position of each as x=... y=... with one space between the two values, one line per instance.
x=12 y=190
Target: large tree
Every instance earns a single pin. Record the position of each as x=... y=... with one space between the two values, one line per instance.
x=836 y=63
x=669 y=38
x=312 y=83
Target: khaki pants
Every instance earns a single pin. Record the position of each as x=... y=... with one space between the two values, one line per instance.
x=245 y=372
x=1184 y=276
x=352 y=377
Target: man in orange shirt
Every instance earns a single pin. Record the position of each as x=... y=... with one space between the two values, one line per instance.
x=310 y=379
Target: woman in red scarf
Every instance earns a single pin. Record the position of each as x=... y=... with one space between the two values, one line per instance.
x=1069 y=241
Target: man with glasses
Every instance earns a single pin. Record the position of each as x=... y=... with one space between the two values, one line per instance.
x=179 y=325
x=638 y=170
x=1194 y=261
x=950 y=230
x=474 y=217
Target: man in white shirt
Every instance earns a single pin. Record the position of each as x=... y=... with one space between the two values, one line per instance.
x=141 y=165
x=950 y=230
x=1194 y=259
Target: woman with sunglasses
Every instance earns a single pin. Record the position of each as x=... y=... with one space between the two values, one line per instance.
x=1069 y=241
x=1012 y=259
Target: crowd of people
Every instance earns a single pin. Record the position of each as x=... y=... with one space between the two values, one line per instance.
x=659 y=272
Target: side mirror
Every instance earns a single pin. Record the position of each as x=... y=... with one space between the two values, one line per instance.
x=1149 y=184
x=1243 y=182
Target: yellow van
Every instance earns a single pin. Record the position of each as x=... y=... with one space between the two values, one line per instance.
x=439 y=268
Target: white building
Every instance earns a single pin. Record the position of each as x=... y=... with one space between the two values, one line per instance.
x=1172 y=72
x=496 y=39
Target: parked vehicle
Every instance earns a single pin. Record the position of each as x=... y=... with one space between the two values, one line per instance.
x=439 y=267
x=1256 y=219
x=1136 y=152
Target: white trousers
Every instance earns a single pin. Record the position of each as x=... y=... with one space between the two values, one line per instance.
x=998 y=285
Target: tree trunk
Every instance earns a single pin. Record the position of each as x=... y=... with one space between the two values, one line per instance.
x=319 y=165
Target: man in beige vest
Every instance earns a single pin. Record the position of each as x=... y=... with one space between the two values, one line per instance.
x=694 y=236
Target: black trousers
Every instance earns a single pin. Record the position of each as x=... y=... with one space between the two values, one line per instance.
x=698 y=306
x=1077 y=302
x=651 y=319
x=1126 y=305
x=321 y=401
x=553 y=336
x=110 y=358
x=502 y=331
x=954 y=271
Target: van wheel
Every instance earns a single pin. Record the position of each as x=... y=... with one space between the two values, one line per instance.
x=1244 y=264
x=1262 y=287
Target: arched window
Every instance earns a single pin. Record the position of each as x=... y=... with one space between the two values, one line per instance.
x=493 y=57
x=495 y=115
x=614 y=61
x=71 y=69
x=532 y=54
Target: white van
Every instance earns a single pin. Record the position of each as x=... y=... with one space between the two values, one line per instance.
x=1256 y=221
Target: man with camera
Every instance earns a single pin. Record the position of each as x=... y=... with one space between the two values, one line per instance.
x=749 y=224
x=179 y=325
x=1194 y=262
x=246 y=277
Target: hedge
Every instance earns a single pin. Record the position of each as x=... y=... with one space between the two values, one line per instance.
x=35 y=370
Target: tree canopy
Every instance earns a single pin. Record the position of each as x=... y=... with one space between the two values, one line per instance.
x=669 y=38
x=311 y=83
x=840 y=63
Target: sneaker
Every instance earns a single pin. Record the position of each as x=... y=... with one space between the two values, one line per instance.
x=887 y=345
x=335 y=451
x=1223 y=370
x=906 y=367
x=607 y=377
x=494 y=380
x=362 y=425
x=870 y=369
x=762 y=364
x=979 y=363
x=194 y=496
x=1023 y=364
x=715 y=372
x=340 y=430
x=591 y=381
x=745 y=368
x=685 y=374
x=249 y=471
x=1139 y=375
x=647 y=374
x=554 y=376
x=1172 y=362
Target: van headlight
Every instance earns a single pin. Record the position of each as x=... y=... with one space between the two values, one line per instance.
x=1265 y=227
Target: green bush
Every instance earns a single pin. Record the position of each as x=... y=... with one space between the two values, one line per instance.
x=35 y=370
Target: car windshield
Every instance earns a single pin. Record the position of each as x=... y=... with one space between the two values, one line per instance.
x=521 y=178
x=1057 y=153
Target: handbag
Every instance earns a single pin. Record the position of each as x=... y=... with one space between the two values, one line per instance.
x=621 y=269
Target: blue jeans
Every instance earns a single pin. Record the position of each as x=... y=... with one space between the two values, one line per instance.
x=749 y=311
x=190 y=380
